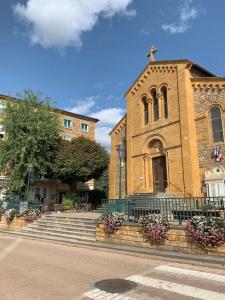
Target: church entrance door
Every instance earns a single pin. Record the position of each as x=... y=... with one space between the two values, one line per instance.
x=159 y=174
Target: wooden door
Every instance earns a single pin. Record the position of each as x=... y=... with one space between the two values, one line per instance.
x=159 y=174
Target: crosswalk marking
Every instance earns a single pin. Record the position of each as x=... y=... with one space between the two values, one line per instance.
x=177 y=288
x=98 y=294
x=186 y=272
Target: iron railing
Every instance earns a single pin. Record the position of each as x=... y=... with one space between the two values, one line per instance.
x=175 y=209
x=16 y=204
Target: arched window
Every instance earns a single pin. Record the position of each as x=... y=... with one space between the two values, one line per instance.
x=216 y=122
x=146 y=110
x=165 y=101
x=155 y=104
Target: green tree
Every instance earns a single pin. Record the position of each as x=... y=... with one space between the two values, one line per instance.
x=32 y=135
x=80 y=160
x=100 y=191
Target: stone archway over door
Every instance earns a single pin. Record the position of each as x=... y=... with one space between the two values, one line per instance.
x=159 y=174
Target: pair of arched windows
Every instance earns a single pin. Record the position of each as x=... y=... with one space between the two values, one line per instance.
x=216 y=124
x=156 y=106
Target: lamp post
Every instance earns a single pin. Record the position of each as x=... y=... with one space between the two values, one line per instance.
x=29 y=172
x=121 y=153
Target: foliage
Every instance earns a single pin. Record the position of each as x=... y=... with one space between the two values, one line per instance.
x=102 y=184
x=112 y=221
x=80 y=160
x=206 y=231
x=154 y=227
x=96 y=196
x=30 y=215
x=10 y=214
x=32 y=134
x=69 y=201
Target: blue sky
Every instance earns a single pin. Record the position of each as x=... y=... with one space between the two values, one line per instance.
x=85 y=54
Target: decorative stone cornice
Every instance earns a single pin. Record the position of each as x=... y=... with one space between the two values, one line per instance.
x=120 y=127
x=151 y=69
x=208 y=83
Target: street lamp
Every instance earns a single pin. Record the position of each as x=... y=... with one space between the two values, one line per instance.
x=29 y=172
x=121 y=153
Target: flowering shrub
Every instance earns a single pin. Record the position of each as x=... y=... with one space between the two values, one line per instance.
x=10 y=214
x=206 y=231
x=30 y=215
x=154 y=227
x=112 y=221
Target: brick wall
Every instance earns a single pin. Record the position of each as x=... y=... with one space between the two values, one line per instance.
x=176 y=241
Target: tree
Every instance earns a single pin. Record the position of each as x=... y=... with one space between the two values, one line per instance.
x=80 y=160
x=32 y=135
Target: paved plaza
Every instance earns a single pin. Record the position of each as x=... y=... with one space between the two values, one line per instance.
x=40 y=270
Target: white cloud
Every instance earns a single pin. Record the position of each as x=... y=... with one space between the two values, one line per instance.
x=61 y=23
x=83 y=107
x=108 y=118
x=187 y=13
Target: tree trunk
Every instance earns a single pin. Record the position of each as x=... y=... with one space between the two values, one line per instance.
x=74 y=187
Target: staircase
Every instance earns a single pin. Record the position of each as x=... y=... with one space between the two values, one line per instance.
x=150 y=195
x=62 y=228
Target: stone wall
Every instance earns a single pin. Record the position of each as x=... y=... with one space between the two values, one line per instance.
x=118 y=137
x=176 y=241
x=204 y=99
x=17 y=223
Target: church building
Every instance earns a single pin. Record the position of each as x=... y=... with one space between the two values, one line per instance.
x=171 y=140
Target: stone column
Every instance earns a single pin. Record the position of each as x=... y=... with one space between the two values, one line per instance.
x=160 y=103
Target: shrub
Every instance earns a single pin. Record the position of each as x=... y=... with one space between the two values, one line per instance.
x=10 y=214
x=69 y=201
x=206 y=231
x=154 y=227
x=112 y=221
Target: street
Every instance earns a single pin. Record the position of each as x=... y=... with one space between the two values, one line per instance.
x=41 y=270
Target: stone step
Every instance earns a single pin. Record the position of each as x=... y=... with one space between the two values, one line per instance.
x=70 y=224
x=53 y=226
x=69 y=219
x=87 y=223
x=51 y=238
x=55 y=230
x=56 y=234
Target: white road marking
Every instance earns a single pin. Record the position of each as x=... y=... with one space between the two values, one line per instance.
x=98 y=294
x=5 y=252
x=186 y=272
x=177 y=288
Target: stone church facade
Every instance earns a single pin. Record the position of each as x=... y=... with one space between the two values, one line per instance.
x=173 y=133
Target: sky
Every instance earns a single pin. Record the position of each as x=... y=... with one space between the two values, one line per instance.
x=85 y=54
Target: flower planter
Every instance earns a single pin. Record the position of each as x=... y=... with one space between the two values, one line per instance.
x=16 y=223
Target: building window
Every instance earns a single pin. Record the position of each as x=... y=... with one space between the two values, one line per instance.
x=67 y=123
x=216 y=122
x=84 y=127
x=165 y=101
x=146 y=110
x=155 y=104
x=67 y=138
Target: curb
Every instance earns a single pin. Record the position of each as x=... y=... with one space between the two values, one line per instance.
x=135 y=251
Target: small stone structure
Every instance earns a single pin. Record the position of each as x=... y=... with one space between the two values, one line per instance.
x=176 y=241
x=17 y=223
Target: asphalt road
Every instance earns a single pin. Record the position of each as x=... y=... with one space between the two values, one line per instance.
x=32 y=270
